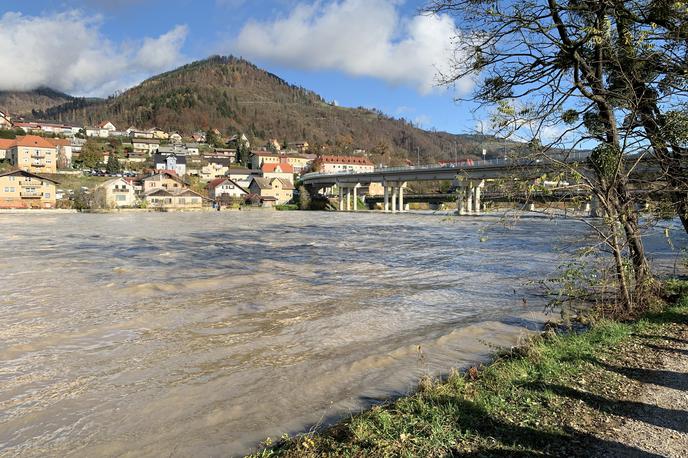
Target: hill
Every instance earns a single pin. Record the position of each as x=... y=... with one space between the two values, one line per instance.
x=233 y=95
x=26 y=103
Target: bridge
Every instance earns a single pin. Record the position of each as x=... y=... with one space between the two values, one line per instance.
x=470 y=178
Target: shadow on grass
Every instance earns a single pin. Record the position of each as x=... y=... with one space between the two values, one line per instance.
x=647 y=413
x=679 y=351
x=513 y=440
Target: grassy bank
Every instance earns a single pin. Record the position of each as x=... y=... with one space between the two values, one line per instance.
x=542 y=399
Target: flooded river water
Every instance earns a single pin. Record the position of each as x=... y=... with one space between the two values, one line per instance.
x=202 y=334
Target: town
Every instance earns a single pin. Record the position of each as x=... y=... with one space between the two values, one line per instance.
x=151 y=169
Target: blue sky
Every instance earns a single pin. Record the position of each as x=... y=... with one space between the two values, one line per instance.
x=372 y=53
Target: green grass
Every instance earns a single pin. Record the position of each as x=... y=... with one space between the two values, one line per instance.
x=74 y=182
x=286 y=207
x=519 y=405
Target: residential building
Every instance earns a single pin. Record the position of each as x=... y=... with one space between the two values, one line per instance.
x=241 y=176
x=134 y=133
x=174 y=199
x=163 y=180
x=193 y=149
x=97 y=132
x=300 y=162
x=199 y=136
x=108 y=126
x=175 y=163
x=301 y=146
x=283 y=171
x=145 y=145
x=4 y=146
x=33 y=154
x=258 y=158
x=223 y=153
x=159 y=133
x=225 y=187
x=117 y=193
x=136 y=157
x=64 y=151
x=214 y=168
x=343 y=164
x=5 y=120
x=22 y=189
x=175 y=138
x=280 y=189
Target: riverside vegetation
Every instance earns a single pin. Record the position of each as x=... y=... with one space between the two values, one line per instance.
x=561 y=394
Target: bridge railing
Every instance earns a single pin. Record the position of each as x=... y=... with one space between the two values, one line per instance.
x=486 y=163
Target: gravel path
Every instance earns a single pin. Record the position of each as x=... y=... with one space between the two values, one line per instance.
x=650 y=417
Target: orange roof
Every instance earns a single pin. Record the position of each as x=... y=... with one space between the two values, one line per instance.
x=34 y=141
x=59 y=141
x=6 y=143
x=345 y=160
x=270 y=168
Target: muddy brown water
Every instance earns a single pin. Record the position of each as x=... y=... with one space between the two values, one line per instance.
x=203 y=334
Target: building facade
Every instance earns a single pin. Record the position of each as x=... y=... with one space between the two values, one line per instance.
x=117 y=193
x=33 y=154
x=22 y=189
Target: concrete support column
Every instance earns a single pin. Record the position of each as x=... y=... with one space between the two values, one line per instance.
x=461 y=201
x=595 y=210
x=356 y=198
x=469 y=199
x=531 y=207
x=341 y=198
x=401 y=199
x=348 y=199
x=394 y=199
x=386 y=198
x=477 y=199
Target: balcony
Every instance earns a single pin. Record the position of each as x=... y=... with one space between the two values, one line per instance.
x=39 y=165
x=37 y=156
x=120 y=191
x=30 y=195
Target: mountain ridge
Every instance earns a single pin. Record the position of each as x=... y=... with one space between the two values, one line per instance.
x=234 y=95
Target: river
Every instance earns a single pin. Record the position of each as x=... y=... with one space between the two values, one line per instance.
x=203 y=334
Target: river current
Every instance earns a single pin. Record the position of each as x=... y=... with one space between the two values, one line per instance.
x=203 y=334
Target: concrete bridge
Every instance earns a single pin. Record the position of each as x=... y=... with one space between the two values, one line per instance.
x=470 y=178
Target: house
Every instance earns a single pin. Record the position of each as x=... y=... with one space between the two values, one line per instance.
x=301 y=146
x=108 y=126
x=300 y=162
x=64 y=151
x=4 y=146
x=241 y=176
x=199 y=136
x=274 y=145
x=175 y=138
x=159 y=133
x=22 y=189
x=116 y=193
x=280 y=189
x=343 y=164
x=258 y=158
x=174 y=199
x=227 y=153
x=5 y=120
x=226 y=187
x=140 y=134
x=163 y=180
x=145 y=145
x=97 y=132
x=282 y=170
x=136 y=157
x=192 y=149
x=33 y=154
x=171 y=162
x=214 y=168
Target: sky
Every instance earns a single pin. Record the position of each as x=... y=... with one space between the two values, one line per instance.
x=372 y=53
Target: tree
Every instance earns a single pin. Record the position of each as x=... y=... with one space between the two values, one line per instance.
x=543 y=63
x=91 y=155
x=113 y=165
x=304 y=198
x=213 y=139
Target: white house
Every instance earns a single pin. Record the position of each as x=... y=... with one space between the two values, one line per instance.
x=97 y=132
x=226 y=187
x=145 y=145
x=108 y=126
x=117 y=193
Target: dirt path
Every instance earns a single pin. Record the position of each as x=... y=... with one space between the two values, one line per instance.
x=650 y=416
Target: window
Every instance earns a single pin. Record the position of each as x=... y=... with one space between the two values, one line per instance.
x=46 y=195
x=7 y=189
x=120 y=198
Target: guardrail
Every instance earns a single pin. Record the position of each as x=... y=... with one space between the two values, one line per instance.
x=479 y=164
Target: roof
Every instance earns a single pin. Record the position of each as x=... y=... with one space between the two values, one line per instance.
x=145 y=140
x=239 y=171
x=217 y=182
x=162 y=158
x=59 y=141
x=358 y=160
x=286 y=184
x=262 y=183
x=104 y=123
x=271 y=168
x=264 y=154
x=27 y=174
x=33 y=141
x=170 y=173
x=173 y=192
x=6 y=143
x=113 y=181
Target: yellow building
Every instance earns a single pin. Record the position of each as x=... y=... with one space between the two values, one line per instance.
x=22 y=189
x=33 y=154
x=277 y=188
x=163 y=180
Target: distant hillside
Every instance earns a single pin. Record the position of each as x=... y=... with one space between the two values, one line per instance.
x=233 y=95
x=24 y=103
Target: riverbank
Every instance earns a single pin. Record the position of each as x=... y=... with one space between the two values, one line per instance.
x=618 y=389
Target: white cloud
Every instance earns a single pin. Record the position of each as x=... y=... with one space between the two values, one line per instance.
x=359 y=37
x=67 y=52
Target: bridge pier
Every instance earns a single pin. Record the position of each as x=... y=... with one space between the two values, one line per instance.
x=386 y=208
x=468 y=198
x=341 y=198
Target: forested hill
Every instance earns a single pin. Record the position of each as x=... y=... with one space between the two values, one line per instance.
x=29 y=102
x=233 y=95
